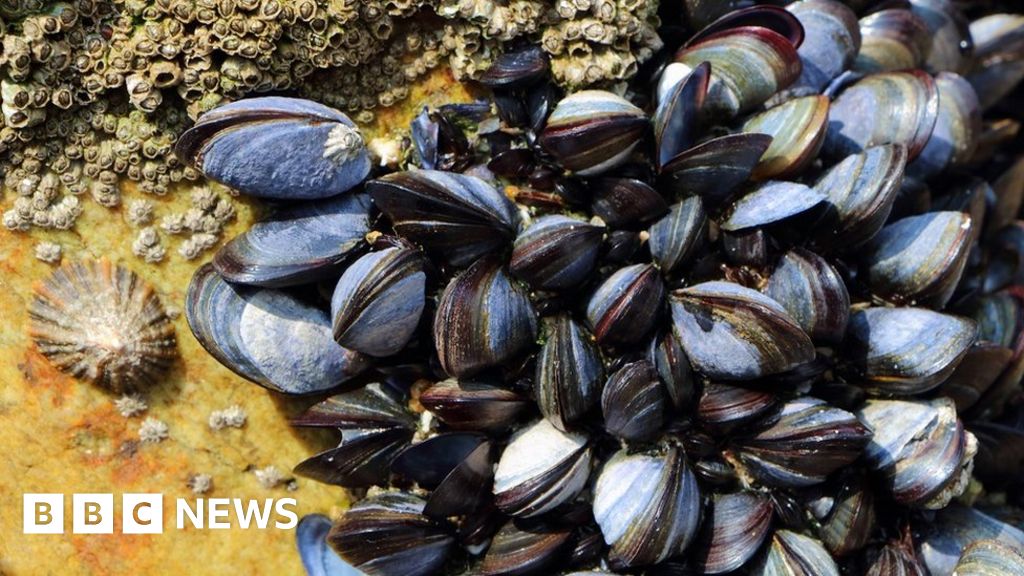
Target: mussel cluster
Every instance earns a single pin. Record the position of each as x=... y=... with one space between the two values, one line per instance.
x=763 y=312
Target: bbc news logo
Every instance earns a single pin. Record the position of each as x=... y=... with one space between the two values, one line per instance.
x=144 y=513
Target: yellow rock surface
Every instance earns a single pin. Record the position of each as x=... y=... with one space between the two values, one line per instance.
x=59 y=435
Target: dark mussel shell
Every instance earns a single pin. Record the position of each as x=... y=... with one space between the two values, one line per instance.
x=793 y=554
x=906 y=350
x=773 y=18
x=980 y=368
x=483 y=319
x=722 y=408
x=896 y=559
x=253 y=332
x=378 y=301
x=625 y=307
x=860 y=192
x=317 y=557
x=998 y=66
x=952 y=47
x=803 y=445
x=735 y=333
x=474 y=405
x=714 y=169
x=676 y=119
x=666 y=354
x=957 y=129
x=570 y=373
x=440 y=144
x=813 y=293
x=770 y=202
x=999 y=463
x=797 y=128
x=460 y=217
x=457 y=467
x=990 y=558
x=276 y=147
x=516 y=69
x=675 y=238
x=892 y=39
x=633 y=402
x=953 y=529
x=734 y=527
x=846 y=514
x=593 y=131
x=541 y=469
x=301 y=244
x=919 y=260
x=647 y=505
x=527 y=549
x=623 y=202
x=556 y=252
x=404 y=540
x=831 y=29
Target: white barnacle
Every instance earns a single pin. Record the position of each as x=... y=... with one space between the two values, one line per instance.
x=233 y=417
x=130 y=405
x=152 y=431
x=343 y=143
x=200 y=483
x=48 y=252
x=269 y=477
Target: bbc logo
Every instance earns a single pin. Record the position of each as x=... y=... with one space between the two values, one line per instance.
x=93 y=513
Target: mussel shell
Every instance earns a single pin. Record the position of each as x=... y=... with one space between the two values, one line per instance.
x=954 y=528
x=301 y=244
x=276 y=147
x=906 y=350
x=735 y=333
x=999 y=463
x=378 y=301
x=951 y=45
x=516 y=69
x=980 y=368
x=483 y=319
x=633 y=402
x=700 y=13
x=317 y=558
x=793 y=554
x=517 y=551
x=404 y=540
x=622 y=202
x=676 y=237
x=625 y=307
x=770 y=202
x=860 y=191
x=541 y=469
x=666 y=354
x=570 y=373
x=647 y=505
x=773 y=18
x=813 y=293
x=457 y=467
x=474 y=405
x=892 y=39
x=722 y=407
x=459 y=217
x=920 y=449
x=885 y=108
x=556 y=252
x=895 y=559
x=998 y=66
x=957 y=128
x=1009 y=190
x=846 y=514
x=831 y=29
x=748 y=65
x=267 y=336
x=593 y=131
x=747 y=247
x=734 y=527
x=676 y=119
x=714 y=169
x=990 y=558
x=919 y=260
x=797 y=128
x=368 y=407
x=806 y=442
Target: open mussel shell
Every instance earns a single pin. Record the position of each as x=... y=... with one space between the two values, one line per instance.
x=813 y=293
x=885 y=108
x=318 y=559
x=301 y=244
x=556 y=252
x=892 y=39
x=667 y=356
x=831 y=42
x=735 y=333
x=483 y=319
x=920 y=449
x=722 y=408
x=516 y=69
x=678 y=114
x=860 y=192
x=797 y=128
x=919 y=260
x=378 y=301
x=529 y=549
x=675 y=238
x=714 y=169
x=647 y=505
x=253 y=332
x=957 y=129
x=953 y=529
x=570 y=372
x=438 y=142
x=404 y=541
x=990 y=558
x=457 y=467
x=457 y=216
x=474 y=405
x=896 y=559
x=998 y=50
x=374 y=426
x=845 y=514
x=734 y=527
x=906 y=351
x=748 y=65
x=633 y=402
x=541 y=469
x=792 y=554
x=801 y=446
x=276 y=147
x=593 y=131
x=770 y=202
x=625 y=307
